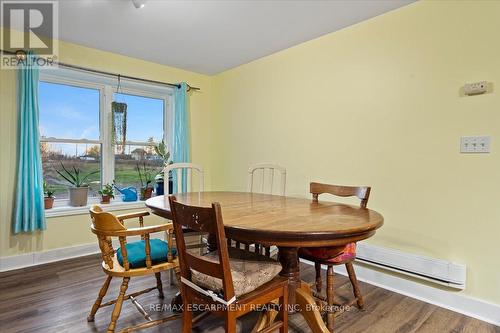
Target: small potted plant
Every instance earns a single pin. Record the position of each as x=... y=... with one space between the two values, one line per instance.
x=48 y=192
x=146 y=178
x=161 y=150
x=107 y=194
x=79 y=192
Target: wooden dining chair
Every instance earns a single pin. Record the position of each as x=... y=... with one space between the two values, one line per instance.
x=132 y=259
x=228 y=282
x=332 y=256
x=189 y=169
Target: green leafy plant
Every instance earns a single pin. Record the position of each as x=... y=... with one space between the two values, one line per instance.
x=161 y=150
x=107 y=190
x=145 y=175
x=75 y=176
x=48 y=190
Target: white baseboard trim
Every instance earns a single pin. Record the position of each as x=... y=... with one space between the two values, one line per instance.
x=449 y=299
x=45 y=257
x=63 y=253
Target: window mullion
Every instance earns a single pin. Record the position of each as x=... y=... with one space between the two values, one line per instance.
x=108 y=161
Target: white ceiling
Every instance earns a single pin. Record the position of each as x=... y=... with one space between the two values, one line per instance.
x=208 y=36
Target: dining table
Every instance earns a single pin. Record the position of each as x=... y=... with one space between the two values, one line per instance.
x=288 y=223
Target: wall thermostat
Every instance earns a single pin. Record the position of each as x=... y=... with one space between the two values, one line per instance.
x=475 y=88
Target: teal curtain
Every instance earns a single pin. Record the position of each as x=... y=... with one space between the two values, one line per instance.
x=29 y=207
x=181 y=149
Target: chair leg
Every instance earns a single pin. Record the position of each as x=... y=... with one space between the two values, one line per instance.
x=230 y=322
x=187 y=319
x=355 y=285
x=284 y=310
x=330 y=314
x=159 y=285
x=171 y=276
x=100 y=296
x=317 y=266
x=118 y=305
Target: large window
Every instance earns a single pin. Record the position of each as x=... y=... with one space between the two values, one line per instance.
x=77 y=130
x=69 y=128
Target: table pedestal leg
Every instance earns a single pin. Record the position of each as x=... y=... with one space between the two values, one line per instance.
x=300 y=295
x=289 y=259
x=309 y=309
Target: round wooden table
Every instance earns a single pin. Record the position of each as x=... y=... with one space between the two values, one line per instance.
x=288 y=223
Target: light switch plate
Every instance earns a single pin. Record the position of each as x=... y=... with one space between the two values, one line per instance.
x=475 y=144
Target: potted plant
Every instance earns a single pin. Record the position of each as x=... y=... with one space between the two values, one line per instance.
x=79 y=192
x=107 y=194
x=161 y=150
x=48 y=192
x=146 y=178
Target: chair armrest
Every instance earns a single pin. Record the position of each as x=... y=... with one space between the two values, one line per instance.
x=140 y=215
x=142 y=230
x=133 y=231
x=122 y=217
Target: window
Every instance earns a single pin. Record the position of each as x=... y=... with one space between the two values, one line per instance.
x=69 y=129
x=76 y=127
x=144 y=128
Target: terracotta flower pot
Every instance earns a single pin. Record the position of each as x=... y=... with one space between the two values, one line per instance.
x=78 y=196
x=146 y=193
x=48 y=202
x=105 y=199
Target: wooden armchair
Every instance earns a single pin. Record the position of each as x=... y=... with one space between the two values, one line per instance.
x=137 y=258
x=228 y=282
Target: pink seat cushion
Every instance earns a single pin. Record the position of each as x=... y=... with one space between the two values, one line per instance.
x=333 y=254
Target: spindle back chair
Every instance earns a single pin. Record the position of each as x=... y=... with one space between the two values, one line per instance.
x=107 y=226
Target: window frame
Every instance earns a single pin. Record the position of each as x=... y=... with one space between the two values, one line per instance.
x=107 y=87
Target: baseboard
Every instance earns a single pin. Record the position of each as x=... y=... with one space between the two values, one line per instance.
x=449 y=299
x=45 y=257
x=64 y=253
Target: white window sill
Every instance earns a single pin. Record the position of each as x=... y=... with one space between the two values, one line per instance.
x=113 y=206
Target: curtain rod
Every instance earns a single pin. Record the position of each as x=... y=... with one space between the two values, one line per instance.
x=110 y=74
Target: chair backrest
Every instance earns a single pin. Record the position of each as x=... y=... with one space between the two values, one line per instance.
x=269 y=169
x=103 y=222
x=361 y=192
x=202 y=219
x=188 y=168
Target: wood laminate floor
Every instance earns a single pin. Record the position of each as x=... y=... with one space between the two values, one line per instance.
x=57 y=298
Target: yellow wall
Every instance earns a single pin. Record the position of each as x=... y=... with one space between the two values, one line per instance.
x=378 y=103
x=74 y=230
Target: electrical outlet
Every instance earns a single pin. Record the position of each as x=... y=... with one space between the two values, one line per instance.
x=475 y=144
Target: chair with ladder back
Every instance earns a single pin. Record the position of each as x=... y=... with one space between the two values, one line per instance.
x=230 y=282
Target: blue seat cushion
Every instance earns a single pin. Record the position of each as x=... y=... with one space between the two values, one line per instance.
x=136 y=253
